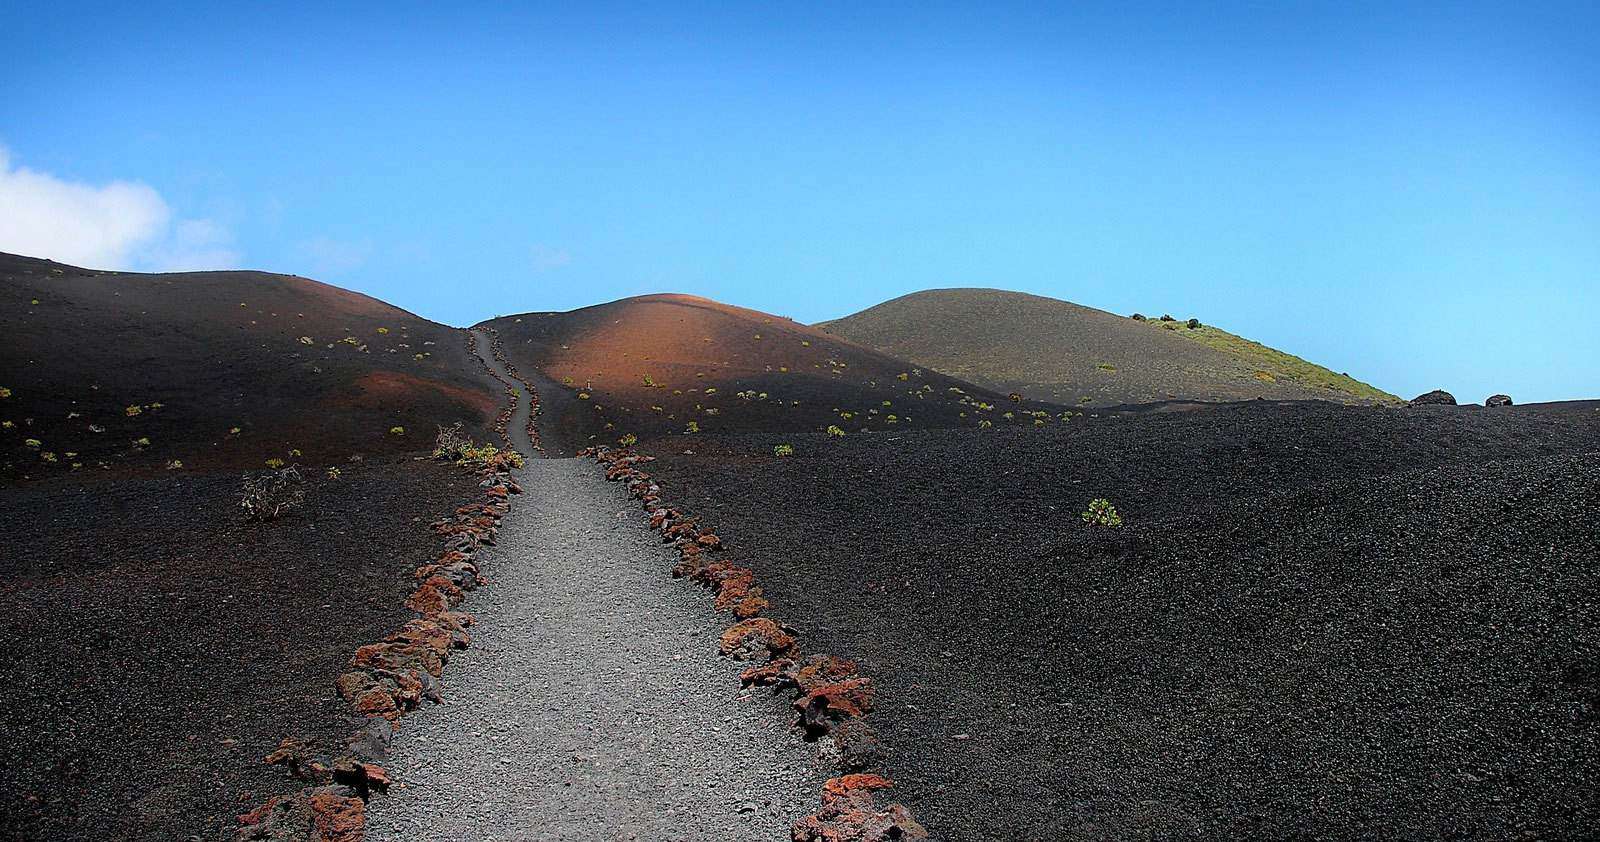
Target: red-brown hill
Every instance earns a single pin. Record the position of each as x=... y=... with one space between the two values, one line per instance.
x=663 y=364
x=115 y=371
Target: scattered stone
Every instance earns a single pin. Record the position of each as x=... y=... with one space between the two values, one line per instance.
x=1436 y=397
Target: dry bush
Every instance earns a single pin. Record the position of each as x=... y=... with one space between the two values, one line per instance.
x=268 y=495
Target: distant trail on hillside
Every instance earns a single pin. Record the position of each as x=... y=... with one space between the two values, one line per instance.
x=517 y=426
x=592 y=704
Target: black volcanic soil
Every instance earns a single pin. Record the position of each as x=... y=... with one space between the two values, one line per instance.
x=1317 y=621
x=650 y=366
x=122 y=373
x=160 y=646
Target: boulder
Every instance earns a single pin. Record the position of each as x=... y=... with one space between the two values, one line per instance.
x=1437 y=397
x=1498 y=400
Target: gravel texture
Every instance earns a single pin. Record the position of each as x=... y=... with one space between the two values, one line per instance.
x=591 y=704
x=1316 y=622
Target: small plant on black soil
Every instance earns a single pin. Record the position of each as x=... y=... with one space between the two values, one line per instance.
x=833 y=430
x=451 y=442
x=1102 y=513
x=267 y=496
x=628 y=440
x=783 y=450
x=692 y=427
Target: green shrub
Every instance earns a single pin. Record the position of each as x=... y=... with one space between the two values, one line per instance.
x=1102 y=513
x=833 y=430
x=783 y=450
x=1194 y=324
x=628 y=440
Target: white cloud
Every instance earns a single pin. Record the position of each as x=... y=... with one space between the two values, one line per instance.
x=119 y=225
x=327 y=256
x=546 y=258
x=194 y=245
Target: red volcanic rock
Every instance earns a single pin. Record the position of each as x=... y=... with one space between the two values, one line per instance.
x=384 y=693
x=364 y=777
x=709 y=540
x=846 y=785
x=822 y=704
x=322 y=814
x=297 y=757
x=688 y=566
x=337 y=815
x=734 y=584
x=850 y=814
x=426 y=632
x=748 y=638
x=822 y=668
x=399 y=657
x=770 y=674
x=750 y=606
x=435 y=596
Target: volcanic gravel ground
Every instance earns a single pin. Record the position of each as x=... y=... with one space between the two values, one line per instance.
x=160 y=646
x=1317 y=622
x=592 y=704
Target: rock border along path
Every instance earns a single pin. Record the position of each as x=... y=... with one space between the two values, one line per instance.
x=592 y=705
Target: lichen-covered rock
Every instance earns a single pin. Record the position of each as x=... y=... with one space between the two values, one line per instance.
x=1498 y=400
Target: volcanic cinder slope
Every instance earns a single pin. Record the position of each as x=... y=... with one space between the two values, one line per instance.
x=129 y=371
x=163 y=644
x=1316 y=621
x=1069 y=354
x=654 y=365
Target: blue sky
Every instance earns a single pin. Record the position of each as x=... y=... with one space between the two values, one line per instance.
x=1407 y=192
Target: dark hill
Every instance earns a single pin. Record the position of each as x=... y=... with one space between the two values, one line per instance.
x=1069 y=354
x=656 y=364
x=110 y=371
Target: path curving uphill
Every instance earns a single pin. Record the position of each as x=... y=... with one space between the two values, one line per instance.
x=592 y=705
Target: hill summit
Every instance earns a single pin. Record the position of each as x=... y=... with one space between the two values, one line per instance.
x=1066 y=353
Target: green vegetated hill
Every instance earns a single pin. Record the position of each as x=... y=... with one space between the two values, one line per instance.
x=1066 y=353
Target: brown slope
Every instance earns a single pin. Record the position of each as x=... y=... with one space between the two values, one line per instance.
x=654 y=364
x=203 y=353
x=1066 y=353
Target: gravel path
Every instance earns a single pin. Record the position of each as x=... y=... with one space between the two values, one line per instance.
x=592 y=704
